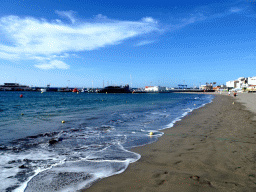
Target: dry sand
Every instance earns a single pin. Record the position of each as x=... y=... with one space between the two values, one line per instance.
x=211 y=149
x=248 y=100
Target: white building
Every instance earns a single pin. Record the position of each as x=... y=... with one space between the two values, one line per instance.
x=206 y=87
x=155 y=89
x=252 y=80
x=232 y=84
x=239 y=83
x=242 y=82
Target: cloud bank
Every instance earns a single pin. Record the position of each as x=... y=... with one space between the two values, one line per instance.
x=38 y=39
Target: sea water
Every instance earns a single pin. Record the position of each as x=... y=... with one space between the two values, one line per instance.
x=40 y=153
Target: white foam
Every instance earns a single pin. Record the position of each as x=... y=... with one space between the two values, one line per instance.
x=7 y=176
x=188 y=109
x=115 y=152
x=95 y=169
x=37 y=171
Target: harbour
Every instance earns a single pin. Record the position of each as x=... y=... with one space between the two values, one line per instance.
x=107 y=89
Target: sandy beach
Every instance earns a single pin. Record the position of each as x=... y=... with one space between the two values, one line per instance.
x=211 y=149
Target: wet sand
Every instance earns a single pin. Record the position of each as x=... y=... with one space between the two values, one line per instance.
x=211 y=149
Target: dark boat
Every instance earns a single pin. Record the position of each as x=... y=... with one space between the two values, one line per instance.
x=14 y=87
x=64 y=89
x=116 y=89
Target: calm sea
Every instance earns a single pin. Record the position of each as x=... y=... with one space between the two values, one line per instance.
x=94 y=141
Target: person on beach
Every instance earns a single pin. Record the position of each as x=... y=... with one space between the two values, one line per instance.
x=235 y=94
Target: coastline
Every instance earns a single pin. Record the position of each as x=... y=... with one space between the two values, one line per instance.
x=210 y=149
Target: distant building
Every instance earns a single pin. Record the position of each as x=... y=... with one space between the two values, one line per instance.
x=251 y=87
x=155 y=89
x=252 y=80
x=206 y=87
x=217 y=88
x=232 y=84
x=241 y=82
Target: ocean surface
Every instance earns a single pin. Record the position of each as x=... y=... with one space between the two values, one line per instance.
x=40 y=153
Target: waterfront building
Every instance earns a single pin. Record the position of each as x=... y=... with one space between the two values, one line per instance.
x=206 y=87
x=231 y=84
x=155 y=89
x=252 y=80
x=241 y=82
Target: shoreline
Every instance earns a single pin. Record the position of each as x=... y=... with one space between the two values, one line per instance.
x=210 y=149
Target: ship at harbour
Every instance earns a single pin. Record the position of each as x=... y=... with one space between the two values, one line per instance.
x=14 y=87
x=116 y=89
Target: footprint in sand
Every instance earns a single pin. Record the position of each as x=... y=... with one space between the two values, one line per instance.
x=200 y=180
x=161 y=177
x=161 y=182
x=232 y=183
x=177 y=162
x=196 y=178
x=160 y=174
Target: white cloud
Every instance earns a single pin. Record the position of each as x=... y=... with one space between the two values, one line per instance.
x=58 y=21
x=39 y=58
x=68 y=14
x=65 y=55
x=205 y=15
x=41 y=40
x=100 y=16
x=149 y=20
x=4 y=55
x=36 y=37
x=235 y=10
x=144 y=43
x=53 y=65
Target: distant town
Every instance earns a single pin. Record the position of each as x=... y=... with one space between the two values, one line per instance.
x=242 y=84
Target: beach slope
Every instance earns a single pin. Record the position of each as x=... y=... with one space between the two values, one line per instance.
x=211 y=149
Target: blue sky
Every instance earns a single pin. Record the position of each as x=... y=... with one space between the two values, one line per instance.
x=83 y=43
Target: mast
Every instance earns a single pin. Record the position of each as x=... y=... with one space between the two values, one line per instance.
x=131 y=79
